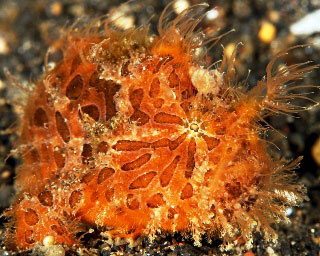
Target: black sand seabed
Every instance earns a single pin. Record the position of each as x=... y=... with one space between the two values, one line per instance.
x=28 y=27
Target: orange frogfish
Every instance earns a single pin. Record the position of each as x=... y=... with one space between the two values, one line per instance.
x=131 y=134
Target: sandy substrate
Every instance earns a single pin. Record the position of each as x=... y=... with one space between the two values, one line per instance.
x=28 y=28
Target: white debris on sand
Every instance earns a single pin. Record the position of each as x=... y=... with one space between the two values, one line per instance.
x=51 y=250
x=308 y=25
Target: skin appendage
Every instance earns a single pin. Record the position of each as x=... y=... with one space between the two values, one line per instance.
x=131 y=135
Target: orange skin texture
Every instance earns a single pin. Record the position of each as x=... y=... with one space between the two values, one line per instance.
x=134 y=147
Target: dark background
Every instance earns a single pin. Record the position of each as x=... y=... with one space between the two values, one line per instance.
x=28 y=28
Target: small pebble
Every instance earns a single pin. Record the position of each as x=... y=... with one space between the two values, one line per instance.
x=122 y=20
x=180 y=5
x=229 y=49
x=274 y=16
x=267 y=32
x=4 y=47
x=270 y=250
x=5 y=174
x=48 y=240
x=56 y=8
x=315 y=151
x=212 y=14
x=289 y=212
